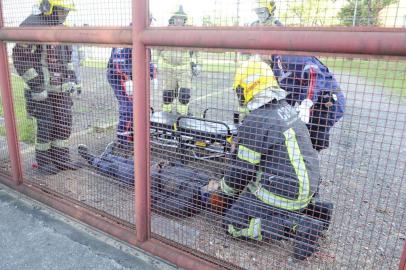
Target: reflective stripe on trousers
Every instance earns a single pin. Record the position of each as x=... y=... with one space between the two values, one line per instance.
x=299 y=166
x=253 y=231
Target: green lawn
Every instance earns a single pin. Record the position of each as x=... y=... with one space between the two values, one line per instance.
x=25 y=125
x=94 y=63
x=389 y=74
x=207 y=65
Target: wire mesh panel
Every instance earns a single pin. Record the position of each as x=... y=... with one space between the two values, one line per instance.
x=290 y=13
x=74 y=115
x=81 y=12
x=4 y=154
x=279 y=160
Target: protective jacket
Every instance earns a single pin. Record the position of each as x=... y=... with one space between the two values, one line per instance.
x=44 y=66
x=275 y=159
x=272 y=178
x=170 y=59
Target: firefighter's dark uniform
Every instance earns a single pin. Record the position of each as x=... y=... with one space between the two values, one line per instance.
x=276 y=172
x=48 y=73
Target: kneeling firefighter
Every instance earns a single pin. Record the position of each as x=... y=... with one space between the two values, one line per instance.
x=275 y=170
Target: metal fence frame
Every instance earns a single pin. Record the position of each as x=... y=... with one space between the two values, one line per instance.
x=377 y=42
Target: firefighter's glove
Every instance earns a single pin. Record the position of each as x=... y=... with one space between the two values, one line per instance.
x=195 y=69
x=76 y=88
x=304 y=110
x=71 y=75
x=69 y=87
x=129 y=88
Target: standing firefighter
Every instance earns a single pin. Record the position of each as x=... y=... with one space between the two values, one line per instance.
x=309 y=84
x=49 y=79
x=266 y=14
x=177 y=68
x=275 y=172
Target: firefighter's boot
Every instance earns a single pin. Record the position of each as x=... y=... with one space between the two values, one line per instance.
x=322 y=211
x=307 y=234
x=45 y=164
x=84 y=152
x=62 y=159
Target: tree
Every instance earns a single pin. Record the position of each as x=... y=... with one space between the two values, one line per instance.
x=207 y=21
x=310 y=13
x=366 y=13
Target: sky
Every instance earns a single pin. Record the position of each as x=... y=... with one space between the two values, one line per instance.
x=118 y=12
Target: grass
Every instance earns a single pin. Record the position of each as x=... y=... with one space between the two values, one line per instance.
x=25 y=125
x=387 y=73
x=94 y=63
x=207 y=65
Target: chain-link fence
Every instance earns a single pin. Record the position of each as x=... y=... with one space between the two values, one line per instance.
x=288 y=13
x=257 y=159
x=76 y=115
x=86 y=12
x=4 y=155
x=356 y=178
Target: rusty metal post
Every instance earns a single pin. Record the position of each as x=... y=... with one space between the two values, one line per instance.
x=116 y=36
x=8 y=108
x=336 y=40
x=402 y=264
x=141 y=117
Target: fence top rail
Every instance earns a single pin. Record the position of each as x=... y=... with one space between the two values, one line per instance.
x=339 y=40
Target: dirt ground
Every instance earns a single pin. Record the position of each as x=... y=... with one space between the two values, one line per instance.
x=363 y=172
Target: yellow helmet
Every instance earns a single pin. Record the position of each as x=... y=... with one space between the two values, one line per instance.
x=266 y=4
x=252 y=78
x=47 y=6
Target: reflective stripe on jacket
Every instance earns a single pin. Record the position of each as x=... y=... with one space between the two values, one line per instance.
x=275 y=158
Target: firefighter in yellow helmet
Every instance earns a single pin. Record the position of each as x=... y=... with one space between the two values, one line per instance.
x=265 y=11
x=56 y=10
x=177 y=67
x=275 y=171
x=48 y=73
